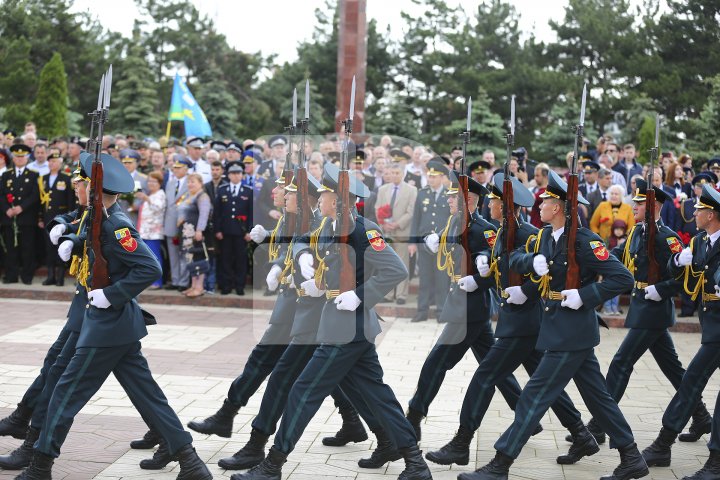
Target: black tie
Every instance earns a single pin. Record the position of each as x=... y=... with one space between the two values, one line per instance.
x=604 y=197
x=394 y=194
x=177 y=187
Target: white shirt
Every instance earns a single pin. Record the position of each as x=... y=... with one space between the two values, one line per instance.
x=235 y=188
x=591 y=187
x=558 y=233
x=43 y=169
x=19 y=171
x=203 y=168
x=713 y=238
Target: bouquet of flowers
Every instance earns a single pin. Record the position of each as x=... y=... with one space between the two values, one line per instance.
x=11 y=199
x=384 y=213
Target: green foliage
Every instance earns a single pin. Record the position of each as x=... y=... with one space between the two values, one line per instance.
x=18 y=83
x=705 y=143
x=646 y=139
x=134 y=100
x=219 y=105
x=558 y=138
x=50 y=110
x=487 y=128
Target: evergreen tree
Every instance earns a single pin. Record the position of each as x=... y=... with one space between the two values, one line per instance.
x=705 y=143
x=50 y=110
x=487 y=128
x=219 y=105
x=135 y=95
x=18 y=85
x=558 y=138
x=646 y=139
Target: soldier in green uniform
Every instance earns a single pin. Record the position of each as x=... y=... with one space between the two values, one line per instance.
x=569 y=333
x=517 y=330
x=652 y=311
x=346 y=332
x=429 y=217
x=109 y=342
x=467 y=307
x=698 y=265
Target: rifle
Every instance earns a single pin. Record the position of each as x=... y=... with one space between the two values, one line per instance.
x=303 y=198
x=650 y=225
x=344 y=215
x=510 y=225
x=464 y=206
x=290 y=218
x=572 y=277
x=96 y=213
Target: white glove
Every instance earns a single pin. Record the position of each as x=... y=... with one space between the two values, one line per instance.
x=291 y=281
x=468 y=284
x=572 y=299
x=717 y=290
x=515 y=295
x=481 y=262
x=306 y=266
x=65 y=250
x=56 y=232
x=98 y=299
x=258 y=233
x=685 y=258
x=273 y=278
x=540 y=265
x=433 y=242
x=311 y=289
x=651 y=293
x=348 y=301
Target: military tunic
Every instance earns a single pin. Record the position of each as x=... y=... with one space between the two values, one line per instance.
x=568 y=337
x=467 y=315
x=18 y=232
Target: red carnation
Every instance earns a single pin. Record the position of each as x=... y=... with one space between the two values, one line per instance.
x=10 y=198
x=685 y=237
x=241 y=217
x=383 y=213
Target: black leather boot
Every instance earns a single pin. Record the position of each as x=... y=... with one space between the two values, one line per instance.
x=20 y=457
x=191 y=467
x=268 y=469
x=594 y=429
x=160 y=458
x=60 y=277
x=415 y=466
x=250 y=455
x=40 y=468
x=220 y=424
x=584 y=445
x=497 y=469
x=658 y=454
x=537 y=430
x=632 y=465
x=352 y=430
x=16 y=424
x=415 y=417
x=456 y=451
x=701 y=424
x=711 y=470
x=50 y=280
x=149 y=440
x=384 y=452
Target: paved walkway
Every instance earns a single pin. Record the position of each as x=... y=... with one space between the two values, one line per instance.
x=195 y=352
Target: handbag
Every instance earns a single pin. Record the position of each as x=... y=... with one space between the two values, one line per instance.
x=199 y=267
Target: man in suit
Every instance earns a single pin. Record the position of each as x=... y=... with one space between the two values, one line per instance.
x=590 y=177
x=231 y=219
x=697 y=265
x=57 y=198
x=197 y=163
x=129 y=202
x=600 y=194
x=174 y=190
x=19 y=213
x=400 y=196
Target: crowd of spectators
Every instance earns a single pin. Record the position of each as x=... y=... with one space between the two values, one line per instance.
x=182 y=188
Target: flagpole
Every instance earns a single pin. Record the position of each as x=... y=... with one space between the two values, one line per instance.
x=167 y=132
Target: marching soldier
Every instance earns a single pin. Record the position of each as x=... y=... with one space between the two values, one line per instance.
x=346 y=317
x=698 y=267
x=651 y=313
x=517 y=330
x=569 y=352
x=56 y=198
x=430 y=216
x=466 y=309
x=19 y=213
x=479 y=171
x=109 y=341
x=231 y=217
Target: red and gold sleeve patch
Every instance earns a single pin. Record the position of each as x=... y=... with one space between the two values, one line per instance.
x=674 y=244
x=600 y=251
x=126 y=239
x=377 y=242
x=490 y=237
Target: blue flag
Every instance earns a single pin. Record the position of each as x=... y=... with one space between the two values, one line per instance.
x=184 y=107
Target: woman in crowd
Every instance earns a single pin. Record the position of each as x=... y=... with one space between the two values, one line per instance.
x=610 y=210
x=194 y=210
x=151 y=216
x=675 y=180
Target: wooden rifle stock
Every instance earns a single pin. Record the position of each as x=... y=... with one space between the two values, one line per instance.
x=289 y=217
x=344 y=219
x=464 y=212
x=100 y=278
x=572 y=277
x=650 y=233
x=303 y=202
x=509 y=230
